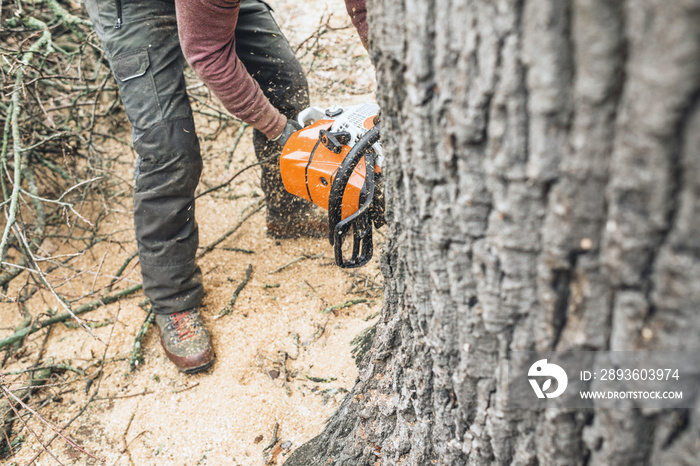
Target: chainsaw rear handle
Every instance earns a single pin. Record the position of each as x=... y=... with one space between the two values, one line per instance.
x=360 y=221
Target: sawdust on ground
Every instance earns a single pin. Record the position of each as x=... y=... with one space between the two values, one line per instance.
x=282 y=365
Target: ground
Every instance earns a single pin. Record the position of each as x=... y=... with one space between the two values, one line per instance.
x=282 y=364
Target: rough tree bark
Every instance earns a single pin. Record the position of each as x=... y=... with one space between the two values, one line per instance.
x=543 y=192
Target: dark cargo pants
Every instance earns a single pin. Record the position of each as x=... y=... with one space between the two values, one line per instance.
x=147 y=63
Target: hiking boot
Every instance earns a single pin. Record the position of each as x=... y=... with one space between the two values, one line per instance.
x=186 y=340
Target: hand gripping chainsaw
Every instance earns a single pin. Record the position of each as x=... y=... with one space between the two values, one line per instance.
x=335 y=162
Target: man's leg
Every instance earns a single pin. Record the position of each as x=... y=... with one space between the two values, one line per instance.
x=268 y=57
x=147 y=63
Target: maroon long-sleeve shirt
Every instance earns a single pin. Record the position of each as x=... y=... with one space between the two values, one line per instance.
x=207 y=36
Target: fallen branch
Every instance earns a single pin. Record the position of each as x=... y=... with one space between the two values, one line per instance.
x=298 y=259
x=46 y=283
x=348 y=303
x=229 y=307
x=244 y=251
x=136 y=356
x=320 y=379
x=14 y=197
x=87 y=307
x=236 y=140
x=92 y=325
x=123 y=397
x=44 y=40
x=53 y=367
x=69 y=19
x=274 y=440
x=26 y=320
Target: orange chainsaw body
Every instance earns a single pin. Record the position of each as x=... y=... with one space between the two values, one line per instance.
x=309 y=167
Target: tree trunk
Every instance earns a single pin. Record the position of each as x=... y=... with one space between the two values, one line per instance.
x=543 y=192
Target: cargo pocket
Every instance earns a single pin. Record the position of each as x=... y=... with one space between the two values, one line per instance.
x=131 y=65
x=138 y=91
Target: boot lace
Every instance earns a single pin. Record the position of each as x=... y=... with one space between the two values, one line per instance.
x=185 y=324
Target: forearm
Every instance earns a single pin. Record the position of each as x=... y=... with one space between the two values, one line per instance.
x=357 y=9
x=207 y=36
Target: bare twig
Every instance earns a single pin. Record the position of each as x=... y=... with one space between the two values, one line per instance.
x=236 y=140
x=46 y=283
x=196 y=384
x=235 y=175
x=34 y=434
x=136 y=356
x=348 y=303
x=244 y=251
x=229 y=307
x=274 y=439
x=70 y=442
x=124 y=397
x=121 y=269
x=255 y=208
x=65 y=426
x=126 y=444
x=298 y=259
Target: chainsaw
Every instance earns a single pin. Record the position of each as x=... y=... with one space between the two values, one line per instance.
x=335 y=162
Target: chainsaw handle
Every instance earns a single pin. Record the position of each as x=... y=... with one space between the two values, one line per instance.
x=361 y=225
x=358 y=221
